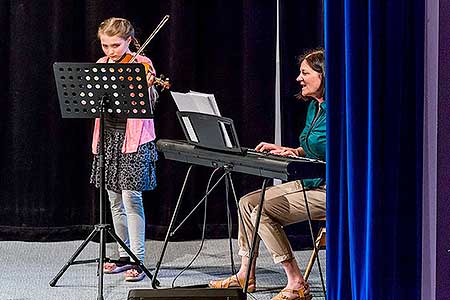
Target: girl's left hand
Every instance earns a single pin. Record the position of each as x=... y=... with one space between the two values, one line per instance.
x=150 y=78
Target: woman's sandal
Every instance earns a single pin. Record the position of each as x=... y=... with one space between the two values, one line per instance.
x=233 y=281
x=303 y=293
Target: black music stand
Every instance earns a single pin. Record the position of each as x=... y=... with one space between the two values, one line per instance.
x=89 y=90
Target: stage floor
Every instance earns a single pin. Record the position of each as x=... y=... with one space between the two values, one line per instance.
x=28 y=268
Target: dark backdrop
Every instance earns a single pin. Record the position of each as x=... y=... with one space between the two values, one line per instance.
x=221 y=47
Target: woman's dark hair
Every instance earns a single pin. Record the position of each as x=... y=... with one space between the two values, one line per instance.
x=316 y=60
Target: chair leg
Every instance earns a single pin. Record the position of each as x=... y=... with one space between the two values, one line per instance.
x=320 y=243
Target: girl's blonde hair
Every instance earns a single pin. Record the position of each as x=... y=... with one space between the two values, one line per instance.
x=118 y=27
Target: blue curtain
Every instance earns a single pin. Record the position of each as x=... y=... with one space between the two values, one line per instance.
x=374 y=64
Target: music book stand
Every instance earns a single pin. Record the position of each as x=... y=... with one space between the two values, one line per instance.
x=209 y=131
x=91 y=90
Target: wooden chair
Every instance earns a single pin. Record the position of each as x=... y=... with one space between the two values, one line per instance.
x=320 y=244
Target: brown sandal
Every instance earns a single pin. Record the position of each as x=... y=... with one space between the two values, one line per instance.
x=303 y=293
x=233 y=281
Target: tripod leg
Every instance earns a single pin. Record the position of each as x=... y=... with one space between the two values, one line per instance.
x=74 y=256
x=172 y=221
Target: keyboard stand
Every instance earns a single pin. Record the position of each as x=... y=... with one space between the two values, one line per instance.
x=226 y=176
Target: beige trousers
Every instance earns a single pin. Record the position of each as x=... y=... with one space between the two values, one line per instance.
x=284 y=204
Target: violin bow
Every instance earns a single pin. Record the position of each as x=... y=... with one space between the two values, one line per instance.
x=158 y=28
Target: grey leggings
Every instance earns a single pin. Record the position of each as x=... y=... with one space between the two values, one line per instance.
x=129 y=221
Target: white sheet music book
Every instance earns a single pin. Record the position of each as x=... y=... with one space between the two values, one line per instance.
x=202 y=103
x=207 y=97
x=196 y=102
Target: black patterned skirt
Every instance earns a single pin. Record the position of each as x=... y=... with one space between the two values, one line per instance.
x=126 y=171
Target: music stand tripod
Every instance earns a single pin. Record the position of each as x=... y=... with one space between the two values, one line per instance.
x=89 y=90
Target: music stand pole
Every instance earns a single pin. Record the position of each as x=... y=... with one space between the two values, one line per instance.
x=120 y=89
x=101 y=158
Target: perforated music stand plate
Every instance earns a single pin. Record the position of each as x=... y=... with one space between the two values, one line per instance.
x=81 y=86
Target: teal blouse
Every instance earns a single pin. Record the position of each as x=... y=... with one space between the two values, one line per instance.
x=313 y=138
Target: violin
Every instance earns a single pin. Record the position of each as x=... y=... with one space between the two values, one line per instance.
x=161 y=81
x=128 y=58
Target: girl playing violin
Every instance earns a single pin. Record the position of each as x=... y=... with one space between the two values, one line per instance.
x=130 y=155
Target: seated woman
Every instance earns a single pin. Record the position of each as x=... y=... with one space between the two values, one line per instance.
x=284 y=204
